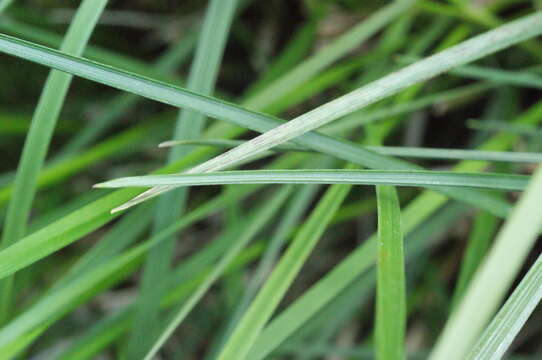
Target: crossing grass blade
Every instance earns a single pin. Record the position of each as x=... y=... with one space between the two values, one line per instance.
x=401 y=151
x=493 y=278
x=507 y=323
x=39 y=137
x=390 y=322
x=487 y=181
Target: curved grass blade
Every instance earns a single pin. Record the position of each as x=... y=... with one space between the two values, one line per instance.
x=39 y=136
x=510 y=319
x=493 y=278
x=357 y=177
x=221 y=110
x=391 y=84
x=400 y=151
x=390 y=322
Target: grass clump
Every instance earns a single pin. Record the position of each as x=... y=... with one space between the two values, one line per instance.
x=283 y=254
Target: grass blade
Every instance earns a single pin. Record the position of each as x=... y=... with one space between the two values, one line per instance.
x=492 y=280
x=401 y=151
x=510 y=319
x=274 y=289
x=478 y=243
x=261 y=217
x=391 y=289
x=366 y=177
x=39 y=137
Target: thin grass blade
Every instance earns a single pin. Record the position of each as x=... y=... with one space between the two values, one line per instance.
x=391 y=289
x=358 y=177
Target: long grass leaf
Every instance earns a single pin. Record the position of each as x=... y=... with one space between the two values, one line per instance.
x=39 y=137
x=493 y=278
x=401 y=151
x=390 y=322
x=367 y=177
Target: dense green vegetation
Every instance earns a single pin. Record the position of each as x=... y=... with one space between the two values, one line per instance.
x=371 y=176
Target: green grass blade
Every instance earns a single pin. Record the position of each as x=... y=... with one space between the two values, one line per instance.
x=297 y=205
x=492 y=280
x=202 y=78
x=511 y=317
x=478 y=243
x=367 y=177
x=391 y=289
x=468 y=51
x=221 y=110
x=39 y=137
x=401 y=151
x=274 y=289
x=260 y=218
x=517 y=78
